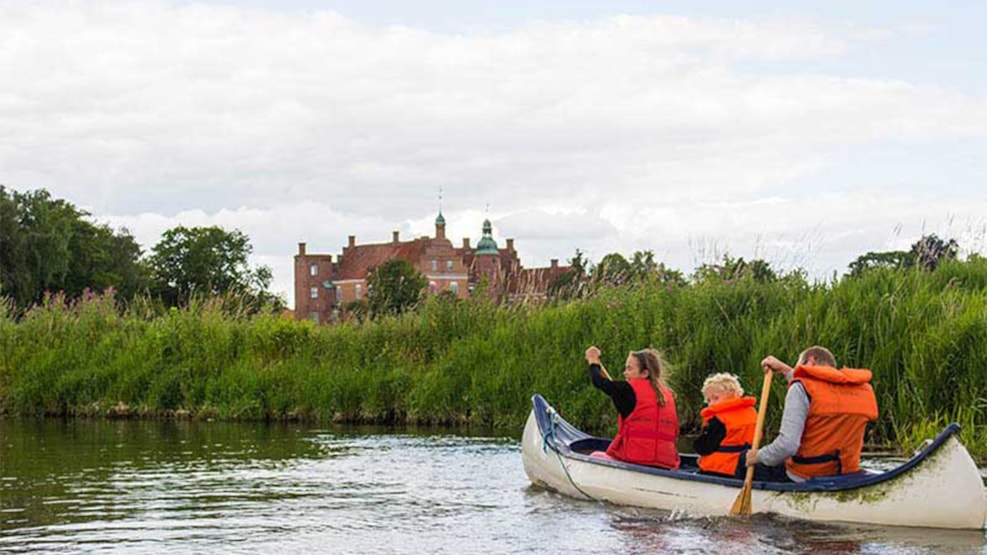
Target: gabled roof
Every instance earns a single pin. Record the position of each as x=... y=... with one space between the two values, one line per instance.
x=358 y=260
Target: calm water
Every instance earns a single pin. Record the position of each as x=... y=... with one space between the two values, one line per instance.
x=167 y=487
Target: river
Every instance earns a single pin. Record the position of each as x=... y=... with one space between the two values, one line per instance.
x=208 y=487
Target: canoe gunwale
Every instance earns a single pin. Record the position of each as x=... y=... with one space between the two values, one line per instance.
x=560 y=436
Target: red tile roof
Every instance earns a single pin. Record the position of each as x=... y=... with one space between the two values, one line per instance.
x=359 y=260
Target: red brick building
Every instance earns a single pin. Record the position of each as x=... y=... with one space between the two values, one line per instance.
x=324 y=285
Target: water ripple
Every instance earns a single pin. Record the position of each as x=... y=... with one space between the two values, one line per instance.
x=252 y=489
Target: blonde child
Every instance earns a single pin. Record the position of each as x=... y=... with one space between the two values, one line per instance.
x=728 y=426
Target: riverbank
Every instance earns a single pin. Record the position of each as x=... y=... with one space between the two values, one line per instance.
x=924 y=335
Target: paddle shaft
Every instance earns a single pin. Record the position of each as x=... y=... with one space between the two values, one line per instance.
x=742 y=506
x=762 y=409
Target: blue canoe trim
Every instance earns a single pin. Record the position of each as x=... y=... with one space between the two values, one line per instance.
x=567 y=440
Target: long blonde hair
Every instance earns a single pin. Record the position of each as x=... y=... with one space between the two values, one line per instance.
x=653 y=361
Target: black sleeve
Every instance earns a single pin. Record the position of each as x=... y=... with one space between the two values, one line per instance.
x=621 y=393
x=709 y=440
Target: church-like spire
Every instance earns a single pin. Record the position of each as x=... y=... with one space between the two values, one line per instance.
x=487 y=245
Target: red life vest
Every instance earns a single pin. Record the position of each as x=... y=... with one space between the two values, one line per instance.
x=647 y=436
x=841 y=403
x=739 y=418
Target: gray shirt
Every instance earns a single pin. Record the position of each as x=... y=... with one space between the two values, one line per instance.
x=792 y=424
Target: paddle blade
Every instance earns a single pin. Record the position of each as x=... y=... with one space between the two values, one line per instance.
x=742 y=505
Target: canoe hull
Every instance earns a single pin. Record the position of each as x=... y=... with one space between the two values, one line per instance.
x=944 y=491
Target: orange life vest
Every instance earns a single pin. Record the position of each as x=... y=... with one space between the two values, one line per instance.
x=841 y=403
x=647 y=436
x=739 y=418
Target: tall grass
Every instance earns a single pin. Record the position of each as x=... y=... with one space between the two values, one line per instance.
x=923 y=334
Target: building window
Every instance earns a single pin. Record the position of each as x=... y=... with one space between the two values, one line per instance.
x=454 y=286
x=448 y=264
x=314 y=293
x=435 y=265
x=359 y=291
x=313 y=270
x=315 y=317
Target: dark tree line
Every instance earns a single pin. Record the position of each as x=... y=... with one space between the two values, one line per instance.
x=48 y=245
x=614 y=270
x=925 y=254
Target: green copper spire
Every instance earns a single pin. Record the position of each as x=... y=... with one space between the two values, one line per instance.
x=487 y=245
x=440 y=220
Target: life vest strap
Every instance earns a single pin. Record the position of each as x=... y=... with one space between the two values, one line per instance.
x=820 y=459
x=732 y=448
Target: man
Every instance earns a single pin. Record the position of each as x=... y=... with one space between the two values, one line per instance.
x=822 y=426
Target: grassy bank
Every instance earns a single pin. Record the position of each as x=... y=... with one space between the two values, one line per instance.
x=924 y=335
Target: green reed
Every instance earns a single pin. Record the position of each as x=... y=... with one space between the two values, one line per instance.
x=923 y=334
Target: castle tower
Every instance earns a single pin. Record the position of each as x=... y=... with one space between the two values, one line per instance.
x=440 y=227
x=486 y=261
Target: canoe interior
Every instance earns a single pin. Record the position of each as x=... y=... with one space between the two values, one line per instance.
x=576 y=444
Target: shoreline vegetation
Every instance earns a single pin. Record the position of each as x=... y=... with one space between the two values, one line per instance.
x=923 y=333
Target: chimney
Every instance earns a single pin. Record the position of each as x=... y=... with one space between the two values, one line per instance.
x=466 y=243
x=555 y=263
x=395 y=236
x=301 y=249
x=510 y=245
x=352 y=241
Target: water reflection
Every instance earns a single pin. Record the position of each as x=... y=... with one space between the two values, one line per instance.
x=246 y=488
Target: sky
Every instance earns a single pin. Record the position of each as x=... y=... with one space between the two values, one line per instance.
x=803 y=133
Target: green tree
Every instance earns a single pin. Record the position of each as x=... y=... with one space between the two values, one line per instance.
x=205 y=261
x=613 y=269
x=928 y=251
x=394 y=287
x=570 y=283
x=733 y=269
x=49 y=245
x=866 y=262
x=667 y=276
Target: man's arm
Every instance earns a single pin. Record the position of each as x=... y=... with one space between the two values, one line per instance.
x=792 y=425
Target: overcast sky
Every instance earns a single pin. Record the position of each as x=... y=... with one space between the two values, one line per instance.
x=805 y=135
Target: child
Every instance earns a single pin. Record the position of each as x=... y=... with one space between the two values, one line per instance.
x=728 y=426
x=647 y=426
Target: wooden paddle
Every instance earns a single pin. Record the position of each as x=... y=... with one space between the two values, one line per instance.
x=742 y=506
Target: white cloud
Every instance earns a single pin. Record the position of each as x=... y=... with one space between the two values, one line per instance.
x=622 y=133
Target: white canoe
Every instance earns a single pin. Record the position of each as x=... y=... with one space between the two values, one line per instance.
x=940 y=487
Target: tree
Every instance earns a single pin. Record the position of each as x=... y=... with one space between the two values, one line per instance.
x=893 y=260
x=394 y=287
x=642 y=264
x=733 y=269
x=570 y=282
x=207 y=261
x=667 y=276
x=928 y=251
x=613 y=269
x=49 y=245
